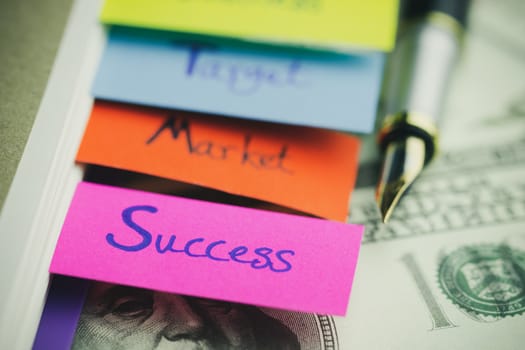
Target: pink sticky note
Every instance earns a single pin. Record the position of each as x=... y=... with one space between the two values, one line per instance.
x=208 y=250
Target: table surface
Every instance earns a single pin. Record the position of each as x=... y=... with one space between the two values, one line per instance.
x=30 y=33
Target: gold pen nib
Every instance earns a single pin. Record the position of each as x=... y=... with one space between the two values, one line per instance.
x=404 y=159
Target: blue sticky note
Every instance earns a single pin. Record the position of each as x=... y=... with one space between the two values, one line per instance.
x=319 y=89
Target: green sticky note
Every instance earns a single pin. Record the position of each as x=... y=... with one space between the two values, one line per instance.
x=329 y=24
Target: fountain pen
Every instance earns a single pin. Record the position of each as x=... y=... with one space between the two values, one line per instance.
x=417 y=75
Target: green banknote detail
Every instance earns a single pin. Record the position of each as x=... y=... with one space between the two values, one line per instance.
x=485 y=279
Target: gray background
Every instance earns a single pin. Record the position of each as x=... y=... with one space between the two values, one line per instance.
x=30 y=33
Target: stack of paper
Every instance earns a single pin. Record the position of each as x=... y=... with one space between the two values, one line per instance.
x=247 y=99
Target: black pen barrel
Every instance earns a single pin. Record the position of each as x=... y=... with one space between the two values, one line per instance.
x=457 y=9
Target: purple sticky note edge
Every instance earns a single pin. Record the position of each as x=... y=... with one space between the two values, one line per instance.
x=61 y=313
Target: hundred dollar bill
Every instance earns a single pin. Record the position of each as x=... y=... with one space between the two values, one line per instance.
x=448 y=270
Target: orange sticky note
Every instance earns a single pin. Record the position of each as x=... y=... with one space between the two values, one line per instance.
x=307 y=169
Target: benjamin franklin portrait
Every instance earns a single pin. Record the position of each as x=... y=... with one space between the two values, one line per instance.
x=120 y=317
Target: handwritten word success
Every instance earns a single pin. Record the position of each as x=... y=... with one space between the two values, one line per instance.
x=306 y=169
x=326 y=90
x=236 y=254
x=209 y=250
x=331 y=24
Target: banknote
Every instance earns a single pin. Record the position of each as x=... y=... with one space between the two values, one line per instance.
x=447 y=271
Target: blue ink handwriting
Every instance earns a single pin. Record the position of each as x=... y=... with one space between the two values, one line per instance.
x=218 y=250
x=241 y=79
